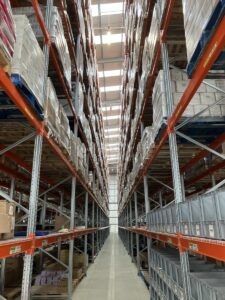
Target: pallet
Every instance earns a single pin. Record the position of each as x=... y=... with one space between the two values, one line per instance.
x=42 y=292
x=6 y=236
x=205 y=129
x=207 y=33
x=27 y=93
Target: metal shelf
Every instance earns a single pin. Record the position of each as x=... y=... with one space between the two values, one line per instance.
x=207 y=247
x=14 y=247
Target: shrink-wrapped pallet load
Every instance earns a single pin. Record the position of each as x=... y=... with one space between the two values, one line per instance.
x=147 y=142
x=28 y=61
x=56 y=33
x=150 y=47
x=201 y=19
x=64 y=130
x=196 y=16
x=204 y=97
x=51 y=112
x=7 y=35
x=73 y=149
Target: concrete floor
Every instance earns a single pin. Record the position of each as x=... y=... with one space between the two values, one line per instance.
x=112 y=276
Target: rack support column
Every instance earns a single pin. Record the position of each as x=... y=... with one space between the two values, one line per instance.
x=131 y=234
x=33 y=201
x=177 y=180
x=137 y=235
x=93 y=234
x=86 y=236
x=71 y=243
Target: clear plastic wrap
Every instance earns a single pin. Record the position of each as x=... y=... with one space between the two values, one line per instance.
x=51 y=111
x=152 y=38
x=64 y=129
x=56 y=33
x=196 y=16
x=28 y=58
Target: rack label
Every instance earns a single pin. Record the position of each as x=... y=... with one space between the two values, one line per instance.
x=193 y=247
x=44 y=243
x=15 y=249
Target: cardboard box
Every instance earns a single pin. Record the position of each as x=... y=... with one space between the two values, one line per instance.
x=61 y=222
x=7 y=208
x=14 y=271
x=5 y=223
x=80 y=260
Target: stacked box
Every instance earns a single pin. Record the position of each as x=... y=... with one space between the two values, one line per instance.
x=64 y=130
x=150 y=45
x=162 y=6
x=147 y=142
x=204 y=97
x=28 y=59
x=73 y=149
x=7 y=34
x=56 y=32
x=7 y=219
x=51 y=112
x=196 y=17
x=61 y=222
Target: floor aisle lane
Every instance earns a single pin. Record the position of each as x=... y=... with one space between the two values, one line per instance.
x=112 y=276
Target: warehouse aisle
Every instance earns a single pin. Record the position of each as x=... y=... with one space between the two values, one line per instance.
x=112 y=276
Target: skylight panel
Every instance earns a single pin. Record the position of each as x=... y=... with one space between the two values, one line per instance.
x=107 y=9
x=114 y=38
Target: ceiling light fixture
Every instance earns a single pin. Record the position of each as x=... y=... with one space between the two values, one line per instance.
x=109 y=34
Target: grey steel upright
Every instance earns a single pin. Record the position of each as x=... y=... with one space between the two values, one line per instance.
x=177 y=180
x=34 y=190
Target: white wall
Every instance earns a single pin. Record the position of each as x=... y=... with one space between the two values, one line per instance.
x=113 y=203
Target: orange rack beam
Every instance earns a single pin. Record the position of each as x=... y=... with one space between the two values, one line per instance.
x=27 y=245
x=207 y=247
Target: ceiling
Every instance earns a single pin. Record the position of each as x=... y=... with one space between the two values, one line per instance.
x=108 y=21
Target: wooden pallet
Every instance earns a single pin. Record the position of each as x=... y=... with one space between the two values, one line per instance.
x=42 y=292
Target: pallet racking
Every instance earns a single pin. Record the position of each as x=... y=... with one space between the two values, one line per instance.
x=158 y=180
x=35 y=165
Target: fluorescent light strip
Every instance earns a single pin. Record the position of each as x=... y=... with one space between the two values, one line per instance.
x=107 y=9
x=111 y=117
x=109 y=39
x=112 y=88
x=114 y=144
x=111 y=129
x=108 y=108
x=110 y=73
x=111 y=136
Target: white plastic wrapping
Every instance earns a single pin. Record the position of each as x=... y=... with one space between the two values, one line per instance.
x=64 y=129
x=7 y=33
x=196 y=16
x=51 y=111
x=56 y=33
x=28 y=58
